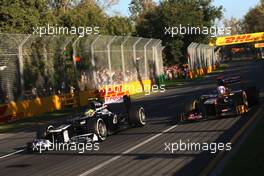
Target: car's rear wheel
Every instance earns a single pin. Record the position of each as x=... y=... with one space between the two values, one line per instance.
x=29 y=147
x=98 y=127
x=127 y=101
x=137 y=116
x=41 y=133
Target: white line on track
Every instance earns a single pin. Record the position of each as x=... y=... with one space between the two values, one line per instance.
x=10 y=154
x=126 y=152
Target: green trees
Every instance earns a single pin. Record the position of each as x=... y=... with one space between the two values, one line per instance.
x=84 y=14
x=118 y=25
x=148 y=19
x=139 y=7
x=18 y=16
x=253 y=21
x=167 y=14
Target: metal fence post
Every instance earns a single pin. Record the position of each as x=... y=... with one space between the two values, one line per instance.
x=93 y=60
x=145 y=57
x=21 y=65
x=74 y=51
x=109 y=57
x=123 y=58
x=75 y=69
x=74 y=54
x=161 y=58
x=134 y=49
x=64 y=58
x=66 y=44
x=190 y=55
x=157 y=58
x=154 y=50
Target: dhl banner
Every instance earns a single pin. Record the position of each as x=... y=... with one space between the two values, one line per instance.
x=236 y=39
x=259 y=45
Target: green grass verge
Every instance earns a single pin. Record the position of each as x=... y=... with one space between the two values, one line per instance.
x=222 y=67
x=178 y=82
x=249 y=160
x=139 y=95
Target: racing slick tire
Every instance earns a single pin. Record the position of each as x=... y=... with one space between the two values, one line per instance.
x=127 y=101
x=137 y=116
x=192 y=105
x=42 y=131
x=252 y=96
x=98 y=127
x=241 y=102
x=29 y=147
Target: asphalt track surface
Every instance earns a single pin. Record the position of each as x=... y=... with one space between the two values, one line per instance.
x=139 y=151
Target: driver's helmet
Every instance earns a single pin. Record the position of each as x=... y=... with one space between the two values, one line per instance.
x=95 y=104
x=221 y=90
x=90 y=112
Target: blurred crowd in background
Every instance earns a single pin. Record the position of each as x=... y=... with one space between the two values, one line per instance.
x=105 y=77
x=176 y=72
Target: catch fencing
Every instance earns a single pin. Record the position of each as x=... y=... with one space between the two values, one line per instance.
x=202 y=59
x=33 y=66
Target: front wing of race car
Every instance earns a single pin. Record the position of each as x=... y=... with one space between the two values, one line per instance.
x=196 y=116
x=191 y=116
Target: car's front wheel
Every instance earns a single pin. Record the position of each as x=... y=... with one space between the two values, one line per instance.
x=98 y=127
x=42 y=131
